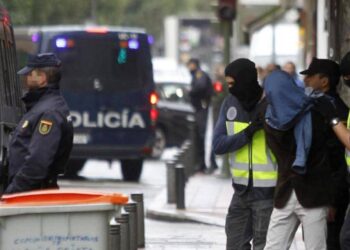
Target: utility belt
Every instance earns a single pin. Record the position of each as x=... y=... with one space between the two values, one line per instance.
x=48 y=183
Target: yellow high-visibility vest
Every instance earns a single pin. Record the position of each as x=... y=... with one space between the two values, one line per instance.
x=347 y=152
x=256 y=154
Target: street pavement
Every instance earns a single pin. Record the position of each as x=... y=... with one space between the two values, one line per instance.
x=199 y=226
x=164 y=235
x=160 y=234
x=207 y=198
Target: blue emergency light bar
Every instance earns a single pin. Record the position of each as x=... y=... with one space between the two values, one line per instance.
x=35 y=37
x=61 y=43
x=64 y=43
x=150 y=39
x=133 y=44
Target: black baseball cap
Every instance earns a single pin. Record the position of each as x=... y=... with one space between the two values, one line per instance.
x=194 y=60
x=40 y=61
x=322 y=66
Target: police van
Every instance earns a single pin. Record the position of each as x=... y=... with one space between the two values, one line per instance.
x=107 y=81
x=11 y=108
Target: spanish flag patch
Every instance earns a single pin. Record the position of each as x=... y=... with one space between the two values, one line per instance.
x=45 y=127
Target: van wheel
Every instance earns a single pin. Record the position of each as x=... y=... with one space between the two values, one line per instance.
x=131 y=169
x=73 y=167
x=159 y=144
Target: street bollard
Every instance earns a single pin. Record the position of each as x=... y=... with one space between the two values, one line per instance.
x=131 y=209
x=138 y=198
x=124 y=230
x=170 y=177
x=180 y=186
x=114 y=235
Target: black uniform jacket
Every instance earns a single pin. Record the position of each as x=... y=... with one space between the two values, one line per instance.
x=201 y=90
x=318 y=186
x=337 y=156
x=41 y=143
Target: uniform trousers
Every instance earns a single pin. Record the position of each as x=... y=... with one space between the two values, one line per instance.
x=247 y=220
x=201 y=125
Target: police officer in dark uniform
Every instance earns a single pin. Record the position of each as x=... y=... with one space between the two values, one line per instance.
x=200 y=94
x=42 y=141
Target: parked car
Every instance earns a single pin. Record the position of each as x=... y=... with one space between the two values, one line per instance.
x=175 y=110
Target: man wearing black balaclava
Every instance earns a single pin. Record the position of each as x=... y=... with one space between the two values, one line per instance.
x=238 y=132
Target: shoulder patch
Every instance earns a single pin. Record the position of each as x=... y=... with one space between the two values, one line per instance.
x=199 y=74
x=231 y=113
x=45 y=127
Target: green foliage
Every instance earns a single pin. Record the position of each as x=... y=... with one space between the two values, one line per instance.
x=108 y=11
x=41 y=12
x=143 y=13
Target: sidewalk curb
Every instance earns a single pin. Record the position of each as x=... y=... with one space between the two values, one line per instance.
x=160 y=210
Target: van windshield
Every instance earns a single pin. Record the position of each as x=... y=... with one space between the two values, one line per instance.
x=107 y=61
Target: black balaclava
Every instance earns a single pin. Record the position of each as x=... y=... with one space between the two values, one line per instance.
x=246 y=87
x=345 y=67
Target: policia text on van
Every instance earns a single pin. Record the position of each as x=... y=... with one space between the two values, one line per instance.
x=111 y=119
x=107 y=80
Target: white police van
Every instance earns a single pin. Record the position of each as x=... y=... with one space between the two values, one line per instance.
x=107 y=81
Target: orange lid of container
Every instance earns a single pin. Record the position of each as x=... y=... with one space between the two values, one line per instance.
x=62 y=197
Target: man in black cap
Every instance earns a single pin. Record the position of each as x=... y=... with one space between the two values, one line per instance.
x=330 y=112
x=317 y=196
x=238 y=132
x=42 y=141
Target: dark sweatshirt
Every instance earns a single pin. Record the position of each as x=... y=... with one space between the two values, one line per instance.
x=318 y=187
